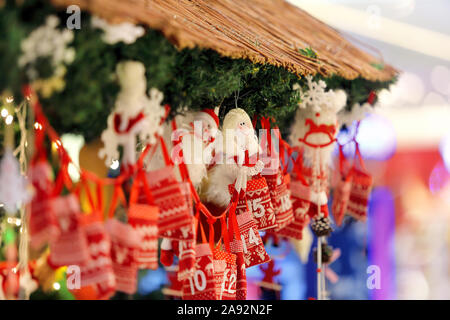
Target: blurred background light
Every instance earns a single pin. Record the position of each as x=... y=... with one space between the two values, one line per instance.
x=438 y=178
x=444 y=148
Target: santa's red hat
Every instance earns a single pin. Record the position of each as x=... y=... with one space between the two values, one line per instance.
x=208 y=115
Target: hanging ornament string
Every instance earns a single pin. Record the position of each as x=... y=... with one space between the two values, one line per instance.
x=42 y=125
x=21 y=112
x=200 y=207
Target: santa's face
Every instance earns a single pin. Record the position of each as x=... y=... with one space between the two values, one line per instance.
x=209 y=131
x=245 y=128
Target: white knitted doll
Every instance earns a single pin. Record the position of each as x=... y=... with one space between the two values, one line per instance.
x=135 y=114
x=314 y=131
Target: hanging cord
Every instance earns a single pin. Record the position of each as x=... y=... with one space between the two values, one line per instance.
x=316 y=172
x=22 y=266
x=54 y=137
x=200 y=207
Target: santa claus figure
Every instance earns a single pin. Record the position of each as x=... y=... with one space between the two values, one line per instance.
x=194 y=143
x=236 y=158
x=313 y=135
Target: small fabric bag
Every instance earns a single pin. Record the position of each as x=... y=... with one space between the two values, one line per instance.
x=186 y=259
x=70 y=247
x=256 y=199
x=98 y=270
x=43 y=225
x=124 y=247
x=241 y=278
x=175 y=220
x=259 y=203
x=362 y=182
x=201 y=285
x=281 y=199
x=227 y=289
x=341 y=194
x=253 y=246
x=143 y=218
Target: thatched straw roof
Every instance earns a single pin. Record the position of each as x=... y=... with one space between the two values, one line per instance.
x=264 y=31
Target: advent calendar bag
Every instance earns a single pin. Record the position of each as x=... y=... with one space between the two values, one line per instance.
x=281 y=199
x=341 y=197
x=175 y=220
x=43 y=225
x=124 y=247
x=227 y=289
x=143 y=218
x=201 y=285
x=241 y=278
x=219 y=274
x=362 y=182
x=186 y=259
x=184 y=250
x=341 y=194
x=175 y=213
x=253 y=246
x=259 y=203
x=98 y=270
x=186 y=191
x=70 y=247
x=300 y=207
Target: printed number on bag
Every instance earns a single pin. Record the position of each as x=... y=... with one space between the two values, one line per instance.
x=231 y=283
x=257 y=208
x=199 y=281
x=252 y=238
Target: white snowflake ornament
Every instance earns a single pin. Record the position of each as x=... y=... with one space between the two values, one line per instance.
x=14 y=189
x=47 y=41
x=113 y=33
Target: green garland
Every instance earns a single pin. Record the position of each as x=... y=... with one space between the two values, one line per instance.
x=191 y=78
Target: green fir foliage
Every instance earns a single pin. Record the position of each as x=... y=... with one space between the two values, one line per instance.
x=190 y=78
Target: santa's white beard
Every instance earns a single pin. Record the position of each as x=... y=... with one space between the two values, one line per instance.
x=216 y=189
x=225 y=173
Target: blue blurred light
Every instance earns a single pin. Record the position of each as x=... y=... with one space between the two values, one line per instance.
x=376 y=138
x=152 y=281
x=438 y=178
